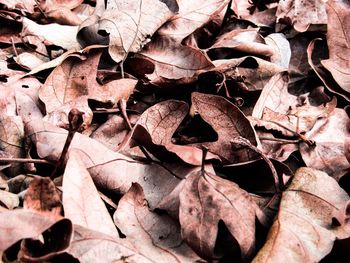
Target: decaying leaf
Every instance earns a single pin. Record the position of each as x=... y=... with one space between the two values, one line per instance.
x=43 y=197
x=207 y=199
x=303 y=230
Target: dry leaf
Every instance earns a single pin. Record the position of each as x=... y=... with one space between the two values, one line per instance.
x=43 y=197
x=302 y=13
x=129 y=24
x=160 y=122
x=228 y=122
x=206 y=199
x=81 y=201
x=303 y=230
x=157 y=236
x=338 y=32
x=191 y=16
x=329 y=135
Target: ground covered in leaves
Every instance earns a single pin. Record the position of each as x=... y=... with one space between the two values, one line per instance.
x=174 y=131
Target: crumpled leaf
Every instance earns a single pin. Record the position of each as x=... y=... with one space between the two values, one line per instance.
x=338 y=31
x=8 y=200
x=206 y=199
x=329 y=135
x=229 y=122
x=160 y=123
x=81 y=201
x=250 y=73
x=191 y=16
x=23 y=224
x=130 y=23
x=303 y=230
x=157 y=236
x=302 y=13
x=275 y=96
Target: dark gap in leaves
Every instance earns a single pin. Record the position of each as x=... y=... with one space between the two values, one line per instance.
x=194 y=130
x=227 y=245
x=344 y=182
x=11 y=253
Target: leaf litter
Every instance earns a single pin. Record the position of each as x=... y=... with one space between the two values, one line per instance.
x=174 y=131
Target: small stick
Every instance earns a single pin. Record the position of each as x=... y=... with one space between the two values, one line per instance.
x=23 y=160
x=75 y=118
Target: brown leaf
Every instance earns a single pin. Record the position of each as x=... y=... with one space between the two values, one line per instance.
x=250 y=73
x=244 y=40
x=173 y=61
x=206 y=199
x=315 y=53
x=130 y=23
x=43 y=197
x=73 y=82
x=109 y=170
x=302 y=13
x=329 y=136
x=338 y=31
x=275 y=96
x=157 y=236
x=160 y=122
x=88 y=245
x=81 y=201
x=229 y=122
x=191 y=16
x=23 y=224
x=303 y=230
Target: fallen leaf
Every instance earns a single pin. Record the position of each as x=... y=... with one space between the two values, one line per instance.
x=157 y=236
x=8 y=200
x=228 y=122
x=129 y=24
x=303 y=229
x=23 y=224
x=275 y=96
x=302 y=13
x=43 y=197
x=172 y=61
x=88 y=245
x=191 y=16
x=81 y=201
x=338 y=31
x=160 y=122
x=329 y=135
x=207 y=199
x=249 y=73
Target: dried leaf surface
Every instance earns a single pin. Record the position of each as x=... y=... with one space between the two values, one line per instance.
x=157 y=236
x=130 y=23
x=228 y=122
x=206 y=199
x=303 y=230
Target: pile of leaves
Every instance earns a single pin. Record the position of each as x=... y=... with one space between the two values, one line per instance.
x=174 y=131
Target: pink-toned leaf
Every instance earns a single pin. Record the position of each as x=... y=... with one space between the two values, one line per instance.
x=157 y=236
x=229 y=122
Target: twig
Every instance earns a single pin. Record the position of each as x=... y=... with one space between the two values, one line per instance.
x=75 y=118
x=23 y=160
x=282 y=141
